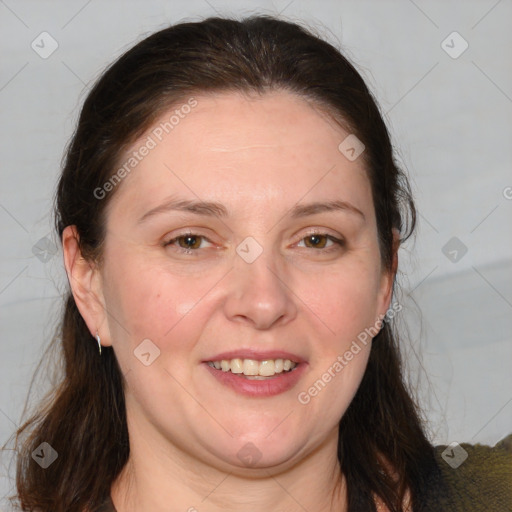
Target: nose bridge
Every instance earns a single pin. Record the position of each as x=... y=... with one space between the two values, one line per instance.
x=259 y=294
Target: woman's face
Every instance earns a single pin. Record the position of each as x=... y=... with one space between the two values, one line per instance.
x=245 y=235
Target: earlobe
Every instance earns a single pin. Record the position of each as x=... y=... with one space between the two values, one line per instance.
x=389 y=275
x=85 y=283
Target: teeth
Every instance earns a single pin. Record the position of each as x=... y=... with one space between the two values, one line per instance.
x=254 y=369
x=266 y=368
x=237 y=366
x=251 y=367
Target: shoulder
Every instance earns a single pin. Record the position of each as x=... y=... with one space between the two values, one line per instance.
x=477 y=477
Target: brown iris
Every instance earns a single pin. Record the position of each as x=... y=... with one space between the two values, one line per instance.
x=191 y=241
x=319 y=241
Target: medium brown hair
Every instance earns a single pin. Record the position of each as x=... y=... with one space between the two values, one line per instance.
x=382 y=448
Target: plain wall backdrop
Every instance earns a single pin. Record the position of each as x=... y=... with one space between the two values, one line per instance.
x=441 y=72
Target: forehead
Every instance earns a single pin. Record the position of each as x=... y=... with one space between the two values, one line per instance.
x=240 y=149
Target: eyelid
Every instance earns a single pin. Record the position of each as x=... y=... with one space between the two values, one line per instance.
x=322 y=231
x=196 y=231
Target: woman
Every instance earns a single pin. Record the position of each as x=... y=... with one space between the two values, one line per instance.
x=230 y=213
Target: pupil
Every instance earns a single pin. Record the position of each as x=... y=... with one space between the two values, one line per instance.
x=190 y=241
x=316 y=240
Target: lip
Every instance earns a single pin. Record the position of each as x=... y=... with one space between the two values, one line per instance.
x=257 y=355
x=276 y=385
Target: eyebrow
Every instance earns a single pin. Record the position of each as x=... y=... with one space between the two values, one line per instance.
x=214 y=209
x=303 y=210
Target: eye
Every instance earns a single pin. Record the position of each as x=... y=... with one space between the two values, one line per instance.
x=188 y=242
x=320 y=241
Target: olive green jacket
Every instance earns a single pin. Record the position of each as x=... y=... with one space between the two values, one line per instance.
x=478 y=478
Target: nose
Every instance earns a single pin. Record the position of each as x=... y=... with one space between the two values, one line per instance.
x=259 y=294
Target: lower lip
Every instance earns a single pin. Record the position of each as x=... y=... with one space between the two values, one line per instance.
x=259 y=388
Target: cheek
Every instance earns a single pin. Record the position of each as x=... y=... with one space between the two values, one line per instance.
x=345 y=306
x=344 y=301
x=149 y=301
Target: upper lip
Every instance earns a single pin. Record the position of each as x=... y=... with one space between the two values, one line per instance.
x=257 y=355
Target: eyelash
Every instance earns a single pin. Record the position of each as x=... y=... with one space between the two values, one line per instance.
x=336 y=242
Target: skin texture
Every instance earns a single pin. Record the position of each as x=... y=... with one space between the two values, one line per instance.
x=259 y=157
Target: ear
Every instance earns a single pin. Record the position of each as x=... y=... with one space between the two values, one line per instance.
x=388 y=277
x=86 y=285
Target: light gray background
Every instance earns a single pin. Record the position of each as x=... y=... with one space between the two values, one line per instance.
x=451 y=123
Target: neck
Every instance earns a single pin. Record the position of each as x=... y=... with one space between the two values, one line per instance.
x=162 y=479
